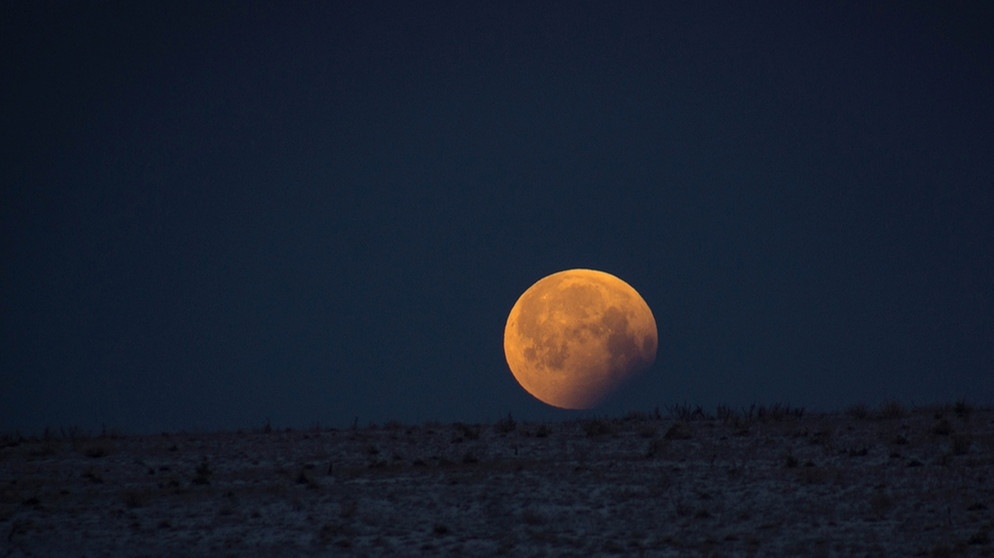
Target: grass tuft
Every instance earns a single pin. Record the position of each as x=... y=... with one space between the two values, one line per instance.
x=203 y=474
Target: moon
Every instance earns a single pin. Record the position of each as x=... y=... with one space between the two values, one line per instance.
x=574 y=336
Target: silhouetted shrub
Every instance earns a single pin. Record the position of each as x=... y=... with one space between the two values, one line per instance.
x=98 y=448
x=656 y=447
x=467 y=431
x=203 y=473
x=348 y=507
x=962 y=409
x=640 y=416
x=892 y=410
x=961 y=444
x=678 y=431
x=647 y=431
x=726 y=414
x=942 y=428
x=790 y=461
x=812 y=474
x=778 y=412
x=136 y=498
x=858 y=411
x=305 y=479
x=93 y=476
x=505 y=425
x=597 y=427
x=531 y=517
x=980 y=537
x=686 y=412
x=542 y=431
x=440 y=529
x=881 y=503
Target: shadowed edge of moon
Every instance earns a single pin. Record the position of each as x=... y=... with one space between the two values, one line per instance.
x=575 y=336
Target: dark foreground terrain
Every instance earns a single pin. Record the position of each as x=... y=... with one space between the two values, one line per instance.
x=764 y=482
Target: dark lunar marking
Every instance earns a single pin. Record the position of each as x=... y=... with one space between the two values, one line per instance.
x=555 y=354
x=530 y=353
x=620 y=342
x=614 y=319
x=547 y=355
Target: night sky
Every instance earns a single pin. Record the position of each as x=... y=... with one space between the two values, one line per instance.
x=221 y=214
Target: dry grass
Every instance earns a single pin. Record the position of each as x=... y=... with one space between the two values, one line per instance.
x=769 y=480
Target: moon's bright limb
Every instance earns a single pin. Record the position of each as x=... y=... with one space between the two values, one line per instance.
x=573 y=337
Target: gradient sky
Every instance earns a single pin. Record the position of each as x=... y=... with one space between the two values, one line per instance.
x=218 y=214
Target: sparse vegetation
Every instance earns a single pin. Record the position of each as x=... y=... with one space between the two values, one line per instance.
x=892 y=410
x=755 y=413
x=532 y=517
x=466 y=432
x=93 y=476
x=440 y=529
x=542 y=431
x=137 y=498
x=981 y=537
x=203 y=473
x=726 y=415
x=733 y=482
x=506 y=425
x=305 y=478
x=790 y=461
x=639 y=416
x=962 y=409
x=858 y=411
x=881 y=503
x=679 y=431
x=942 y=428
x=961 y=444
x=656 y=447
x=348 y=508
x=598 y=427
x=97 y=449
x=686 y=413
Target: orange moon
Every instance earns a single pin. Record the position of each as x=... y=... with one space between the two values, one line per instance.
x=573 y=337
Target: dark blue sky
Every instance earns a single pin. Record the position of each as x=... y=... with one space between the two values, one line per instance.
x=216 y=214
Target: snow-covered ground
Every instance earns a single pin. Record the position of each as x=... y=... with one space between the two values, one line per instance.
x=892 y=482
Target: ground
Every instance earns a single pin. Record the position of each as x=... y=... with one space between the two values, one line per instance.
x=758 y=482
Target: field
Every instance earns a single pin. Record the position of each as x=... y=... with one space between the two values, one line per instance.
x=771 y=481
